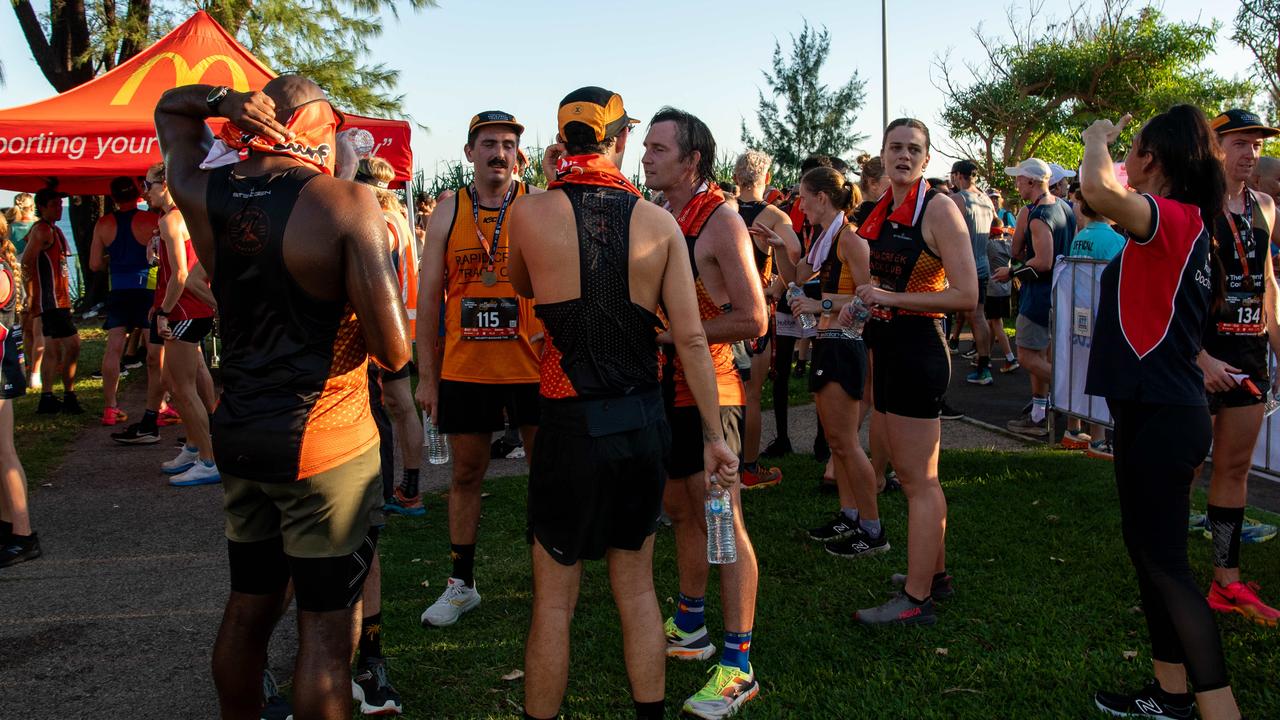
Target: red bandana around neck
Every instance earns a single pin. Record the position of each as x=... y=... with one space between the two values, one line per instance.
x=908 y=213
x=314 y=124
x=590 y=170
x=695 y=214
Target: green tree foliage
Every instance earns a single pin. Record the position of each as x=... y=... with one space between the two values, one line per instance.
x=1034 y=94
x=326 y=40
x=1257 y=28
x=801 y=116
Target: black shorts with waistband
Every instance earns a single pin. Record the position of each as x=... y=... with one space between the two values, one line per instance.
x=838 y=358
x=597 y=475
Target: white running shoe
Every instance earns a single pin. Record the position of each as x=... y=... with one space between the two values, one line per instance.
x=199 y=474
x=186 y=458
x=456 y=599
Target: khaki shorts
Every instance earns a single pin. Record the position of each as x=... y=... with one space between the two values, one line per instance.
x=323 y=516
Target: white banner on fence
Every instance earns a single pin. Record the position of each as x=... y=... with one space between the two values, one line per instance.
x=1075 y=305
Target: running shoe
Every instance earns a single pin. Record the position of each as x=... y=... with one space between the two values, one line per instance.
x=274 y=706
x=135 y=434
x=185 y=459
x=1255 y=532
x=402 y=504
x=838 y=527
x=1197 y=522
x=969 y=354
x=71 y=405
x=517 y=453
x=49 y=405
x=1026 y=426
x=500 y=447
x=201 y=473
x=778 y=448
x=20 y=549
x=891 y=482
x=802 y=370
x=113 y=415
x=1243 y=598
x=950 y=413
x=168 y=416
x=899 y=610
x=859 y=545
x=953 y=345
x=1010 y=367
x=762 y=478
x=373 y=691
x=683 y=645
x=724 y=694
x=1149 y=702
x=1101 y=449
x=135 y=360
x=1076 y=440
x=980 y=377
x=941 y=589
x=456 y=599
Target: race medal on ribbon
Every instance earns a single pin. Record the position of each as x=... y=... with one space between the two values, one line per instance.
x=489 y=278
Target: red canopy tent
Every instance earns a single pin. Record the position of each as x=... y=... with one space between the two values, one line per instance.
x=105 y=128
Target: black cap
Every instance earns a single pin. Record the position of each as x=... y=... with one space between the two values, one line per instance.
x=1238 y=120
x=45 y=195
x=965 y=167
x=124 y=189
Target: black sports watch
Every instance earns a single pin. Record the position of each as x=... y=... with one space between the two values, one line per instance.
x=215 y=96
x=826 y=306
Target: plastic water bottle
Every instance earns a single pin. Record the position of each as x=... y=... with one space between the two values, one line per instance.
x=722 y=548
x=807 y=320
x=861 y=313
x=437 y=448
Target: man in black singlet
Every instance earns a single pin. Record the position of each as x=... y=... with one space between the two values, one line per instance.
x=306 y=293
x=598 y=470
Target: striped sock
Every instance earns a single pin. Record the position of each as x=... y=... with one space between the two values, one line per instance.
x=737 y=650
x=690 y=613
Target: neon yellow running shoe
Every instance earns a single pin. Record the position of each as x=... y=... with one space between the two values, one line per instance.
x=683 y=645
x=724 y=694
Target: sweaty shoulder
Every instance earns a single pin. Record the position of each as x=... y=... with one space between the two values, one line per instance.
x=652 y=218
x=725 y=222
x=773 y=216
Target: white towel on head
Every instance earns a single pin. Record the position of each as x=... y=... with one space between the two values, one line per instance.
x=822 y=246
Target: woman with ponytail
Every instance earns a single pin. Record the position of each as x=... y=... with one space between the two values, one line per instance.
x=18 y=542
x=1154 y=299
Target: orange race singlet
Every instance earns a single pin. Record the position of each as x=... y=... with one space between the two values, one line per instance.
x=50 y=286
x=487 y=325
x=692 y=219
x=404 y=255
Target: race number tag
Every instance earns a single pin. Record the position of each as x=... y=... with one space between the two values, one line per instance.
x=1242 y=315
x=490 y=318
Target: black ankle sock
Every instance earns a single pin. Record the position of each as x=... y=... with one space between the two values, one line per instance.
x=409 y=482
x=940 y=576
x=649 y=710
x=464 y=563
x=914 y=601
x=149 y=419
x=6 y=530
x=984 y=362
x=371 y=637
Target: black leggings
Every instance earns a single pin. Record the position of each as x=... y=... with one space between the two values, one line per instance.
x=1157 y=449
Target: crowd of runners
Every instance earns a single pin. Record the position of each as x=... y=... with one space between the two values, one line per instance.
x=613 y=335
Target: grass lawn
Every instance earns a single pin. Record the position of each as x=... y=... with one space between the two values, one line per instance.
x=1044 y=613
x=43 y=440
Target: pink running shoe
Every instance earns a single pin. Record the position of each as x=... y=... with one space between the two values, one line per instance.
x=113 y=415
x=1243 y=598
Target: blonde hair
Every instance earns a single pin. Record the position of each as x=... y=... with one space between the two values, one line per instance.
x=9 y=253
x=381 y=170
x=871 y=169
x=155 y=173
x=752 y=168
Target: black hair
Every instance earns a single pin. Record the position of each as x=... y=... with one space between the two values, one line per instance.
x=728 y=187
x=692 y=135
x=589 y=148
x=124 y=190
x=814 y=161
x=936 y=183
x=911 y=123
x=964 y=167
x=1189 y=157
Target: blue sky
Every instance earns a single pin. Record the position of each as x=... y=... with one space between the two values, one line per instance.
x=704 y=57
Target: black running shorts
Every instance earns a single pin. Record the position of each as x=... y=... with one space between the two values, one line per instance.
x=836 y=358
x=57 y=324
x=686 y=438
x=597 y=475
x=480 y=407
x=192 y=330
x=996 y=307
x=912 y=366
x=128 y=308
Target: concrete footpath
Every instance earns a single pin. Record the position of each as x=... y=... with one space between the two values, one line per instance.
x=118 y=618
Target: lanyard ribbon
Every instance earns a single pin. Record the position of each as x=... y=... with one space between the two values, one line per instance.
x=490 y=247
x=1239 y=237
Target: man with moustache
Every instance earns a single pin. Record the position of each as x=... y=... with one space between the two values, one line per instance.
x=490 y=362
x=678 y=157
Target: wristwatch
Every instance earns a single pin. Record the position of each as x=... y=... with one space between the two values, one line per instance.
x=215 y=96
x=826 y=306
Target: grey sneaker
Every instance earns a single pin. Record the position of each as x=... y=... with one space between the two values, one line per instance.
x=941 y=589
x=1025 y=426
x=899 y=610
x=456 y=599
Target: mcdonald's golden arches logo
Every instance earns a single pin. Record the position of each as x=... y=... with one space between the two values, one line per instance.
x=184 y=74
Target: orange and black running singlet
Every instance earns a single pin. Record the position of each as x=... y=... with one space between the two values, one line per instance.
x=487 y=324
x=295 y=399
x=51 y=287
x=901 y=261
x=692 y=219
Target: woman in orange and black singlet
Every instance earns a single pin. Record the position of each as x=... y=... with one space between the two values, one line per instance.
x=921 y=268
x=18 y=542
